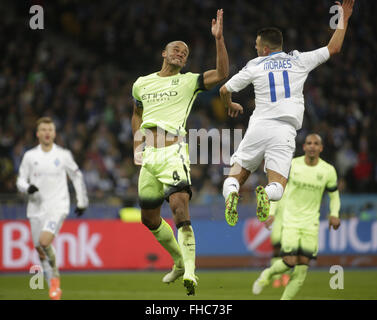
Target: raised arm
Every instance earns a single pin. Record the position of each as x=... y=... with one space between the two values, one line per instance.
x=212 y=77
x=336 y=41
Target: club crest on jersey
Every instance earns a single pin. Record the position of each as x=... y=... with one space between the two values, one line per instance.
x=57 y=162
x=175 y=82
x=319 y=176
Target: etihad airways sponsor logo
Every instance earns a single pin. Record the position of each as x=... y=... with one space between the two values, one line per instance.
x=159 y=95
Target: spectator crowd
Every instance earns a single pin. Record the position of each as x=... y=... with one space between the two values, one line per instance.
x=80 y=69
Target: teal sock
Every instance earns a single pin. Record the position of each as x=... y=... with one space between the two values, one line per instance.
x=186 y=240
x=273 y=260
x=296 y=282
x=278 y=267
x=165 y=236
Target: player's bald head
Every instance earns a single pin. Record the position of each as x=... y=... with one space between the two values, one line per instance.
x=313 y=136
x=175 y=54
x=177 y=43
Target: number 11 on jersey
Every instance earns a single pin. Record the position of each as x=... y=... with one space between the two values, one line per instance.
x=287 y=89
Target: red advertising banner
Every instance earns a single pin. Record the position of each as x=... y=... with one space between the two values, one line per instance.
x=85 y=244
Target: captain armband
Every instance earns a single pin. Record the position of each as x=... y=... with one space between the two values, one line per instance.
x=138 y=103
x=332 y=189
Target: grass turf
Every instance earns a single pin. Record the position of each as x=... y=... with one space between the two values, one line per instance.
x=213 y=285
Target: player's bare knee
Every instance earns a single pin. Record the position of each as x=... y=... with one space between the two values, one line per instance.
x=45 y=240
x=151 y=223
x=290 y=260
x=303 y=260
x=44 y=243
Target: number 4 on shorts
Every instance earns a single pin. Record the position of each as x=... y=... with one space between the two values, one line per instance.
x=176 y=176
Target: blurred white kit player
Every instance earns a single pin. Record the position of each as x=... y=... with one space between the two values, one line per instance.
x=43 y=176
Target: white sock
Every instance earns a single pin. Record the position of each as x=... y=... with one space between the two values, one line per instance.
x=51 y=258
x=274 y=191
x=230 y=185
x=47 y=271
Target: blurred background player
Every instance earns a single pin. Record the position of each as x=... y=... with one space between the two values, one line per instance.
x=277 y=227
x=278 y=80
x=43 y=176
x=309 y=177
x=163 y=101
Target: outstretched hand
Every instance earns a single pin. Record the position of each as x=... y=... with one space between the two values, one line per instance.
x=217 y=25
x=347 y=7
x=234 y=109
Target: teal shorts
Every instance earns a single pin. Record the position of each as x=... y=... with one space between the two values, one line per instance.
x=164 y=171
x=299 y=242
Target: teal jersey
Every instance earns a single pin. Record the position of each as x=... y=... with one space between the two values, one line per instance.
x=302 y=197
x=167 y=101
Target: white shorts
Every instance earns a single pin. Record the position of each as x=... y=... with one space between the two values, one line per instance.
x=47 y=222
x=271 y=140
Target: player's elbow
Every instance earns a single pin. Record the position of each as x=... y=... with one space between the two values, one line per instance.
x=333 y=49
x=223 y=90
x=221 y=76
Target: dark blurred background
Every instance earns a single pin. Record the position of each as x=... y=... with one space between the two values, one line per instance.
x=80 y=69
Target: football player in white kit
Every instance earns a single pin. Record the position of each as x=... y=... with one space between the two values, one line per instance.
x=278 y=80
x=43 y=176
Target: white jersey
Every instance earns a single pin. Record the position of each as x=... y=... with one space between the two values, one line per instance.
x=48 y=172
x=278 y=81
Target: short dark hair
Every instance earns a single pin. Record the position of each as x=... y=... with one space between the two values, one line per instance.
x=272 y=37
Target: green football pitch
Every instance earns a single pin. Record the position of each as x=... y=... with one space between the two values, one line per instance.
x=213 y=285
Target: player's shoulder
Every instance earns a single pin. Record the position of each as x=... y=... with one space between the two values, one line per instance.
x=254 y=62
x=141 y=79
x=31 y=152
x=298 y=160
x=322 y=51
x=294 y=53
x=189 y=75
x=327 y=166
x=62 y=150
